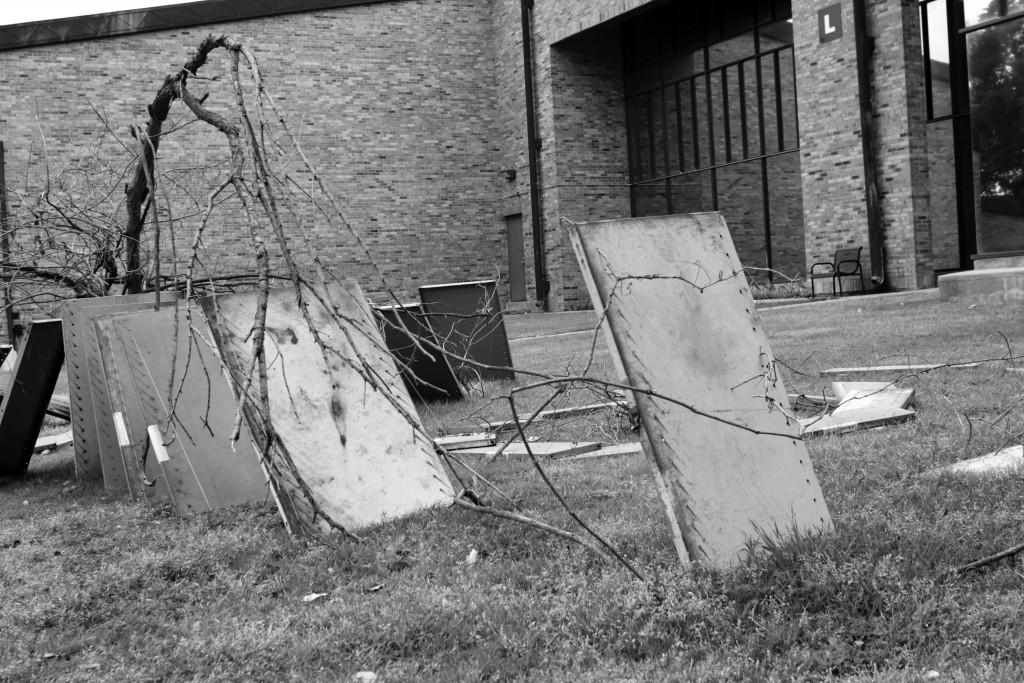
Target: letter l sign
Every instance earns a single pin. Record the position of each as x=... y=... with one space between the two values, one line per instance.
x=830 y=23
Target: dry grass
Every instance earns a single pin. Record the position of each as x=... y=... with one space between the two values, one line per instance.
x=101 y=589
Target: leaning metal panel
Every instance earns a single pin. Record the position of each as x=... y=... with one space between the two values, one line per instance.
x=177 y=377
x=82 y=353
x=340 y=413
x=714 y=409
x=28 y=394
x=466 y=316
x=425 y=370
x=127 y=423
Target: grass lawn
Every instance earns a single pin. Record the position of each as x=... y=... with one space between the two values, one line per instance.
x=95 y=588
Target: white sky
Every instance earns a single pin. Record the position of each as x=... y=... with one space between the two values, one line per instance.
x=20 y=11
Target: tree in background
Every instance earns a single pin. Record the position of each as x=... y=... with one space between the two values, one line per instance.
x=996 y=66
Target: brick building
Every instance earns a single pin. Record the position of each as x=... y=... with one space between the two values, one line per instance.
x=458 y=149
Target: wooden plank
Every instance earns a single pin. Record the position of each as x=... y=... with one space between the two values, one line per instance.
x=629 y=448
x=49 y=443
x=543 y=416
x=854 y=420
x=460 y=441
x=35 y=373
x=346 y=420
x=424 y=367
x=684 y=323
x=897 y=368
x=466 y=316
x=1000 y=463
x=166 y=375
x=85 y=380
x=59 y=407
x=541 y=449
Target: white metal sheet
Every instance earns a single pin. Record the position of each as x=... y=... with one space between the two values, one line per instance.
x=343 y=418
x=715 y=411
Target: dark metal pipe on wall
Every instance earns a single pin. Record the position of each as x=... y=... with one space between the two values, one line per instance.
x=5 y=252
x=533 y=150
x=864 y=46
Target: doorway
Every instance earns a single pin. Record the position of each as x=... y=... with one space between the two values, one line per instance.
x=516 y=258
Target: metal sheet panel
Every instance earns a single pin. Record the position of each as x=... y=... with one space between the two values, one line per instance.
x=124 y=410
x=466 y=316
x=683 y=321
x=85 y=379
x=425 y=370
x=344 y=417
x=164 y=361
x=24 y=405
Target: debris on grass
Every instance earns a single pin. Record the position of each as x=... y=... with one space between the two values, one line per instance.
x=903 y=369
x=861 y=405
x=1000 y=463
x=464 y=441
x=543 y=449
x=53 y=441
x=543 y=416
x=628 y=448
x=854 y=420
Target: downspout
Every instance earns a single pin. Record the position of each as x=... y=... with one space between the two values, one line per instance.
x=5 y=253
x=533 y=149
x=865 y=47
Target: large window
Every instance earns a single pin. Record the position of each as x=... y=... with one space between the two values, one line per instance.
x=712 y=123
x=974 y=62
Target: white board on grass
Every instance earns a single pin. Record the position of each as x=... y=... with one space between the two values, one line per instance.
x=683 y=323
x=1007 y=461
x=855 y=396
x=357 y=444
x=868 y=416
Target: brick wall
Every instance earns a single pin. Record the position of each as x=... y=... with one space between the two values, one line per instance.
x=590 y=150
x=414 y=112
x=897 y=77
x=564 y=18
x=831 y=152
x=831 y=161
x=581 y=124
x=394 y=102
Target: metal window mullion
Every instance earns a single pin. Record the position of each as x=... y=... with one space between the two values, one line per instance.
x=796 y=101
x=765 y=196
x=695 y=123
x=679 y=127
x=650 y=136
x=726 y=115
x=631 y=143
x=711 y=128
x=742 y=85
x=991 y=22
x=779 y=118
x=664 y=131
x=760 y=105
x=716 y=167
